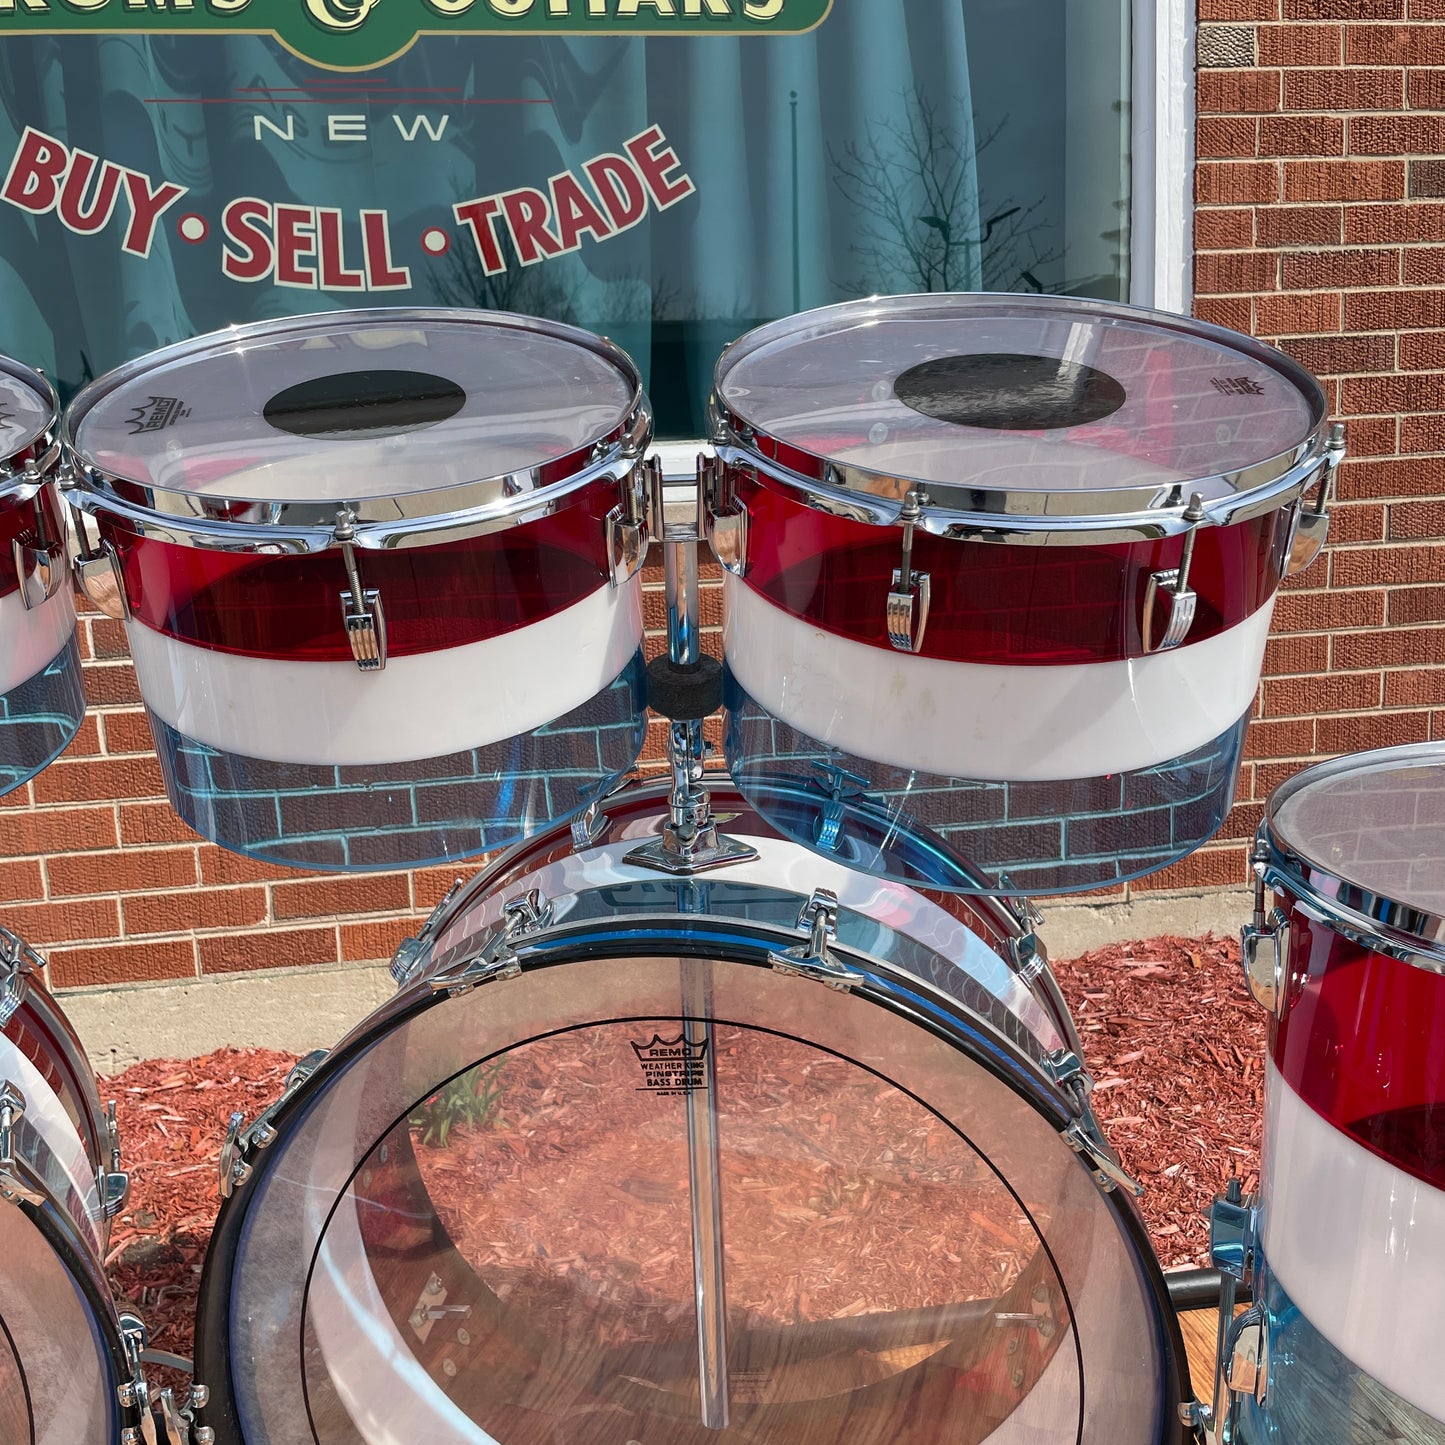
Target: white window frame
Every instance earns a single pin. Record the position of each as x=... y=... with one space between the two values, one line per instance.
x=1161 y=231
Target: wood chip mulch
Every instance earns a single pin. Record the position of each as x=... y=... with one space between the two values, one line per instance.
x=1171 y=1036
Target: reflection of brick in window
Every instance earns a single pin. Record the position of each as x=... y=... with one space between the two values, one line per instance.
x=1236 y=386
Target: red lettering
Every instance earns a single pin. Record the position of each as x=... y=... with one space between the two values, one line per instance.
x=376 y=254
x=619 y=189
x=146 y=208
x=526 y=211
x=654 y=166
x=295 y=233
x=72 y=211
x=576 y=212
x=331 y=248
x=242 y=222
x=480 y=217
x=33 y=182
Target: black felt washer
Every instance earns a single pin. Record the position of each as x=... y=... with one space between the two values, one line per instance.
x=1009 y=392
x=684 y=693
x=349 y=405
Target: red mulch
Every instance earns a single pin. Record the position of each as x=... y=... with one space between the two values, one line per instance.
x=1170 y=1034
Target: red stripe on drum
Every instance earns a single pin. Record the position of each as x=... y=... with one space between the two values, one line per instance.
x=1360 y=1043
x=1011 y=605
x=20 y=519
x=434 y=597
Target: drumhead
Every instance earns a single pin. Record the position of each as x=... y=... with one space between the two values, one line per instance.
x=1368 y=830
x=478 y=1220
x=27 y=412
x=351 y=406
x=985 y=401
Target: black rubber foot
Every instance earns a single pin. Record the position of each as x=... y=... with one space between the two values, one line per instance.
x=684 y=694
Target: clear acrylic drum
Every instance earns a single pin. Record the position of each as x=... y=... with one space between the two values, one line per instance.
x=615 y=1166
x=1350 y=963
x=1000 y=571
x=41 y=700
x=379 y=576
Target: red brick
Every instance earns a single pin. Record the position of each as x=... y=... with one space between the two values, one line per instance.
x=1208 y=868
x=108 y=641
x=1302 y=135
x=1296 y=656
x=1221 y=135
x=1398 y=647
x=1235 y=92
x=1231 y=311
x=1415 y=687
x=193 y=910
x=1218 y=272
x=86 y=742
x=1220 y=230
x=17 y=797
x=1374 y=730
x=1344 y=180
x=1233 y=183
x=1416 y=604
x=266 y=948
x=1306 y=697
x=126 y=871
x=40 y=924
x=1340 y=90
x=142 y=823
x=1303 y=225
x=1238 y=9
x=1394 y=45
x=1422 y=351
x=1300 y=45
x=1294 y=738
x=1302 y=315
x=56 y=830
x=1426 y=89
x=1392 y=224
x=1422 y=434
x=429 y=885
x=1342 y=355
x=110 y=684
x=1395 y=135
x=1424 y=265
x=122 y=963
x=128 y=732
x=93 y=779
x=1372 y=436
x=1425 y=9
x=1328 y=611
x=361 y=942
x=1417 y=391
x=1390 y=565
x=1363 y=522
x=1417 y=477
x=220 y=865
x=1417 y=521
x=373 y=893
x=1343 y=9
x=20 y=880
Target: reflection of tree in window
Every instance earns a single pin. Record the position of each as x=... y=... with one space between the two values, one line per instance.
x=912 y=178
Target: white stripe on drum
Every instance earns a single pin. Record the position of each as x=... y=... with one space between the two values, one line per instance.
x=978 y=720
x=29 y=640
x=1357 y=1244
x=422 y=706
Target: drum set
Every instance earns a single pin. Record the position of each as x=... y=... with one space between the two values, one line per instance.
x=735 y=1106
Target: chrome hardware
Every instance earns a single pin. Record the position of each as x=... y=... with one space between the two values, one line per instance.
x=1198 y=1417
x=1174 y=584
x=495 y=956
x=1246 y=1355
x=13 y=1186
x=690 y=841
x=39 y=566
x=98 y=575
x=627 y=530
x=134 y=1393
x=408 y=955
x=1233 y=1249
x=1234 y=1233
x=1108 y=1173
x=18 y=961
x=908 y=599
x=1312 y=523
x=112 y=1181
x=840 y=785
x=590 y=826
x=726 y=517
x=818 y=919
x=1027 y=952
x=1067 y=1071
x=241 y=1144
x=361 y=609
x=1264 y=944
x=431 y=1306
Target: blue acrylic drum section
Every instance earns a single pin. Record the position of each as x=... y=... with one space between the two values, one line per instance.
x=41 y=699
x=379 y=572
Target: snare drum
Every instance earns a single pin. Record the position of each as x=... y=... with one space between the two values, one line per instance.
x=70 y=1368
x=1000 y=570
x=41 y=700
x=628 y=1158
x=379 y=574
x=1351 y=965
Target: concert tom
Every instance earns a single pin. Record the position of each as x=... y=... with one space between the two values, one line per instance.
x=70 y=1367
x=1000 y=571
x=379 y=576
x=1350 y=1232
x=779 y=1152
x=41 y=701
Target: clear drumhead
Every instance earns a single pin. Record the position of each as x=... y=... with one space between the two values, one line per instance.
x=355 y=406
x=1020 y=394
x=27 y=409
x=495 y=1217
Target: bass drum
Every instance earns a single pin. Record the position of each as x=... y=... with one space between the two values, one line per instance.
x=637 y=1158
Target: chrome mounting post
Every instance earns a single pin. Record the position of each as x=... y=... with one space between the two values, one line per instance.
x=361 y=609
x=690 y=841
x=908 y=598
x=1173 y=583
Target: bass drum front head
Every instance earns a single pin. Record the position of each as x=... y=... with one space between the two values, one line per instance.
x=492 y=1217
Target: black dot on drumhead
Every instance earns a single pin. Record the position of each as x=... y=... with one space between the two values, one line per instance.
x=1009 y=392
x=348 y=405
